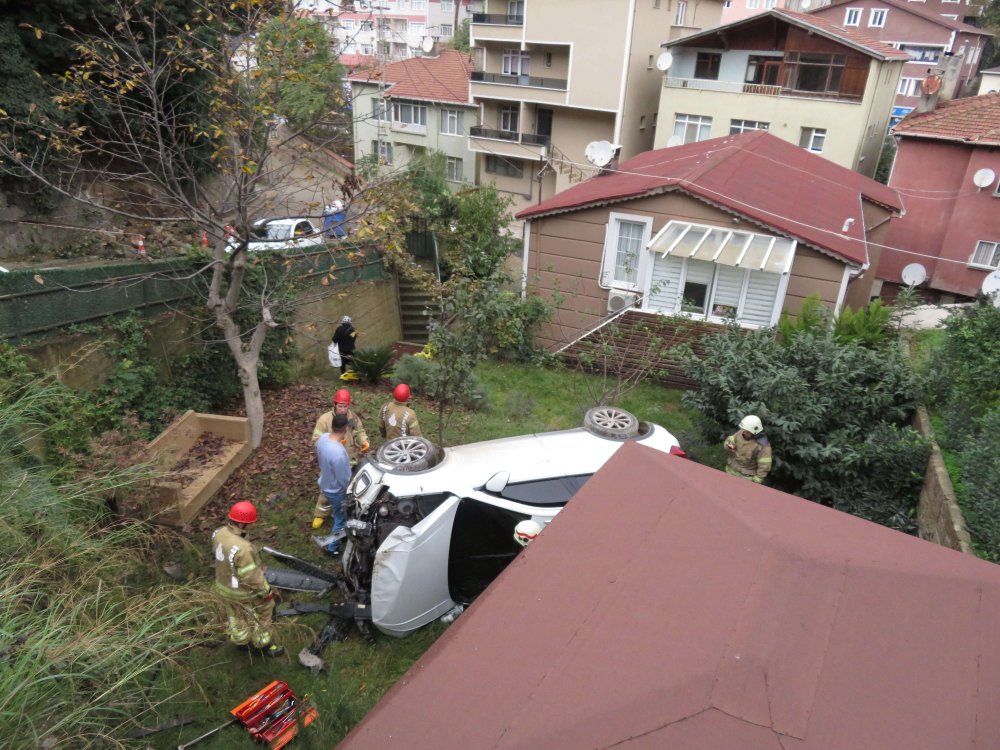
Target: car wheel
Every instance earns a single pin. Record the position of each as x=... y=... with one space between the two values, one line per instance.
x=611 y=422
x=407 y=453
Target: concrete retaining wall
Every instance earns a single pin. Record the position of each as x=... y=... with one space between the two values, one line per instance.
x=939 y=519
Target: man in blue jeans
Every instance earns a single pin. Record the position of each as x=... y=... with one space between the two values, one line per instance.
x=334 y=476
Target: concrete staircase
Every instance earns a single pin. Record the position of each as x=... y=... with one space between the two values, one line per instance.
x=417 y=306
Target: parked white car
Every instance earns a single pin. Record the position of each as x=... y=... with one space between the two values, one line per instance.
x=283 y=234
x=426 y=533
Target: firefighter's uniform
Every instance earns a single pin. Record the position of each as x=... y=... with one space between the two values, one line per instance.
x=750 y=459
x=398 y=420
x=355 y=437
x=240 y=583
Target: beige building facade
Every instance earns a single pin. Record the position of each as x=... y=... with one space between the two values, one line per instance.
x=790 y=74
x=551 y=76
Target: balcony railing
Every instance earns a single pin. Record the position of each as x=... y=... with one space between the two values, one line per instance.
x=498 y=19
x=511 y=136
x=508 y=80
x=760 y=89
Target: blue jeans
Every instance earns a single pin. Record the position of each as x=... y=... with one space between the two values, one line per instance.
x=336 y=502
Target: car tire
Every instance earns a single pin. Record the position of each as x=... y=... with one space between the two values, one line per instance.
x=407 y=454
x=611 y=422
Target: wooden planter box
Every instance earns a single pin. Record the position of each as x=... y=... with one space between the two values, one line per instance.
x=176 y=502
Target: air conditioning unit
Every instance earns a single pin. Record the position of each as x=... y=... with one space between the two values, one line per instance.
x=618 y=301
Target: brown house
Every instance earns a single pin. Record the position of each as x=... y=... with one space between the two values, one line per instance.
x=738 y=227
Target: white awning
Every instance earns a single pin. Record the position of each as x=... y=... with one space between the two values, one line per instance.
x=727 y=247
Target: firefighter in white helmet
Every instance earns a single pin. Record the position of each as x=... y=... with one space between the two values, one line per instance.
x=749 y=450
x=526 y=531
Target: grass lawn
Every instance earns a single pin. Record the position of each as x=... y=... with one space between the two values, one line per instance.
x=219 y=676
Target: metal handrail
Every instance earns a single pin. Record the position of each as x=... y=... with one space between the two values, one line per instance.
x=558 y=84
x=512 y=136
x=499 y=19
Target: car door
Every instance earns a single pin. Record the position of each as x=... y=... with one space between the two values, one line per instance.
x=410 y=575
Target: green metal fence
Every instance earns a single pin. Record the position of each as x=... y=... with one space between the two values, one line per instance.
x=38 y=302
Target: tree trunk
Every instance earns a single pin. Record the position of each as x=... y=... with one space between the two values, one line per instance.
x=252 y=399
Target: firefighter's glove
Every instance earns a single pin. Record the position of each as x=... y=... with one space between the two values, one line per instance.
x=365 y=448
x=317 y=522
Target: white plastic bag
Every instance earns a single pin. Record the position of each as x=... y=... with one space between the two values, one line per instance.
x=333 y=354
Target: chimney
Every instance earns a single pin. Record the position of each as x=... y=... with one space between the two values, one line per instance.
x=941 y=83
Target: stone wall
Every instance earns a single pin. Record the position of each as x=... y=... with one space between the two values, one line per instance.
x=939 y=519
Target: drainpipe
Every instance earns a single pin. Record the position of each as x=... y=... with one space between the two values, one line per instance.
x=617 y=138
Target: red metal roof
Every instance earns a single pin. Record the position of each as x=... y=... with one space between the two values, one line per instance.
x=823 y=26
x=673 y=606
x=974 y=120
x=444 y=78
x=756 y=175
x=910 y=8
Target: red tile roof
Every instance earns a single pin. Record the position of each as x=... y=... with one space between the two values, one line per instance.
x=822 y=26
x=910 y=8
x=974 y=119
x=755 y=175
x=673 y=606
x=444 y=78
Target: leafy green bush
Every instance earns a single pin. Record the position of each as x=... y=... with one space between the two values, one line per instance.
x=870 y=326
x=424 y=376
x=980 y=492
x=834 y=412
x=372 y=364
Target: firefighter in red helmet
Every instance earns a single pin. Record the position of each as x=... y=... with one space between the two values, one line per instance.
x=357 y=438
x=397 y=419
x=240 y=583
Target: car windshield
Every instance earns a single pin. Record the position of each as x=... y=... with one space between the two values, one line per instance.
x=275 y=231
x=557 y=491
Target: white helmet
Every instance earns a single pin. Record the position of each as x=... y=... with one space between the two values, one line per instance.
x=337 y=205
x=347 y=319
x=526 y=531
x=751 y=423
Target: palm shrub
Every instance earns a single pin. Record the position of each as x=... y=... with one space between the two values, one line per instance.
x=836 y=413
x=373 y=364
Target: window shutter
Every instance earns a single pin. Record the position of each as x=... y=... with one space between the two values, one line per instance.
x=666 y=281
x=762 y=293
x=728 y=285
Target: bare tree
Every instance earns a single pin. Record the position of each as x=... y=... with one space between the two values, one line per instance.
x=182 y=122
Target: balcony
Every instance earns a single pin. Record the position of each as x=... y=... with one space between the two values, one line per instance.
x=556 y=84
x=757 y=89
x=509 y=143
x=498 y=19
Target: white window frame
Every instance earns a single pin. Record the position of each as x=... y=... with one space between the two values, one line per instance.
x=852 y=17
x=452 y=122
x=747 y=126
x=509 y=118
x=989 y=250
x=681 y=12
x=769 y=4
x=380 y=109
x=814 y=135
x=447 y=29
x=418 y=28
x=448 y=6
x=752 y=4
x=409 y=116
x=908 y=87
x=609 y=259
x=515 y=63
x=347 y=24
x=876 y=18
x=383 y=150
x=702 y=122
x=418 y=4
x=454 y=169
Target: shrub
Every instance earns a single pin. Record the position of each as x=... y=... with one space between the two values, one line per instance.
x=424 y=376
x=869 y=326
x=372 y=364
x=834 y=412
x=980 y=496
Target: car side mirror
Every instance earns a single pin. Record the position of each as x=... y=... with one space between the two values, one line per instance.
x=497 y=482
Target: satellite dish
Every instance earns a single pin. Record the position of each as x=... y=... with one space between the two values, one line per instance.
x=674 y=140
x=984 y=177
x=914 y=274
x=664 y=61
x=991 y=286
x=427 y=44
x=599 y=153
x=414 y=42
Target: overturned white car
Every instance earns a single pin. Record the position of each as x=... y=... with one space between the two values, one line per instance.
x=426 y=533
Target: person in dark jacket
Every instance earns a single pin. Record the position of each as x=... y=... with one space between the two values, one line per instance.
x=345 y=337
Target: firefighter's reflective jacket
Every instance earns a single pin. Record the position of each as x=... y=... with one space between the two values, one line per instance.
x=238 y=570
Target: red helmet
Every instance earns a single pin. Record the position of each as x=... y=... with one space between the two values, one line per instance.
x=243 y=512
x=401 y=392
x=343 y=396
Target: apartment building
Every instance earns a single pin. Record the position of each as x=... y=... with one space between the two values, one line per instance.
x=386 y=30
x=926 y=36
x=965 y=11
x=408 y=108
x=801 y=77
x=551 y=76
